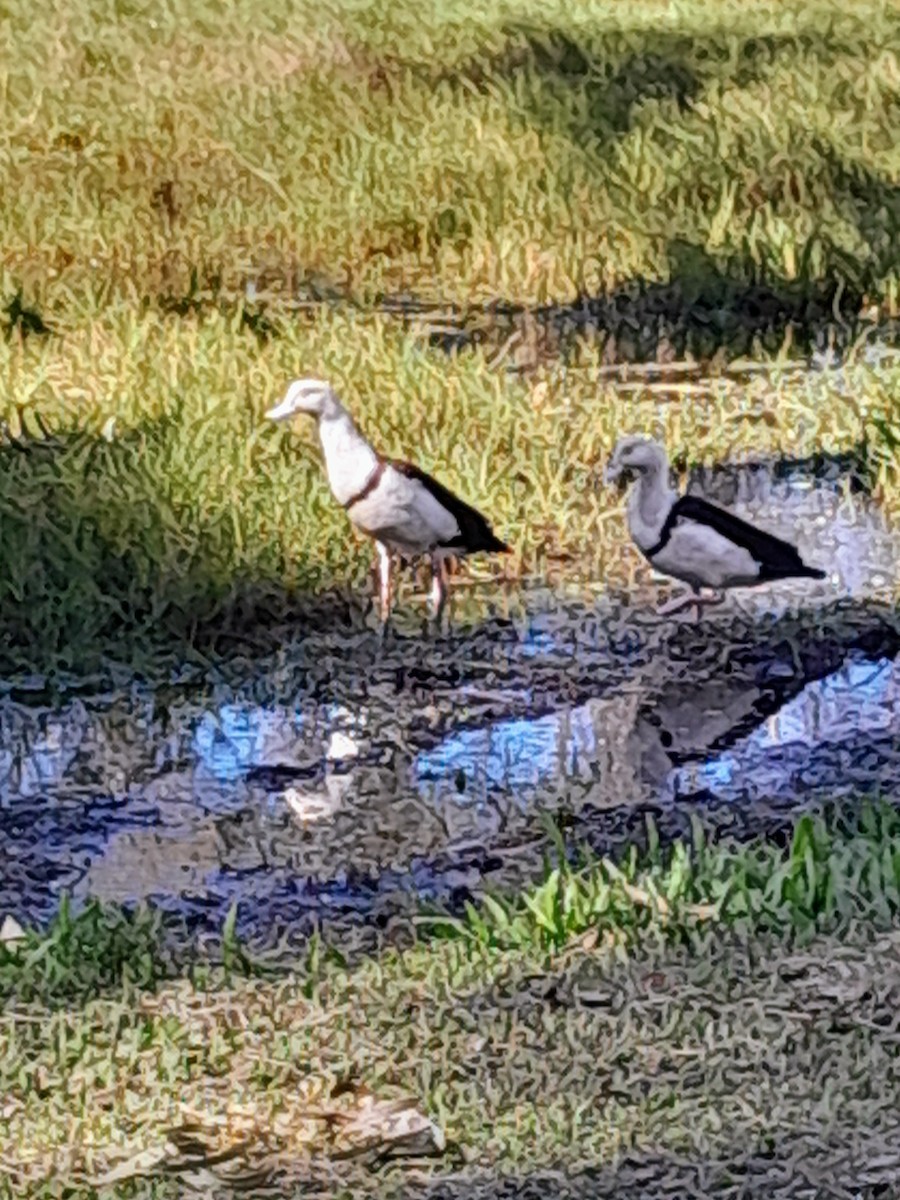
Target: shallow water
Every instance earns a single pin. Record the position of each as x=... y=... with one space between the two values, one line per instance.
x=839 y=736
x=344 y=777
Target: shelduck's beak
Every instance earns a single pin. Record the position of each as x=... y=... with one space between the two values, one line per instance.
x=615 y=476
x=284 y=409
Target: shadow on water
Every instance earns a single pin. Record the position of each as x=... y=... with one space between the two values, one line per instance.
x=337 y=781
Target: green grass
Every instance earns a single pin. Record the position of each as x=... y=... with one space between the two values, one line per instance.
x=175 y=178
x=104 y=947
x=464 y=1024
x=837 y=868
x=81 y=954
x=830 y=874
x=521 y=150
x=145 y=506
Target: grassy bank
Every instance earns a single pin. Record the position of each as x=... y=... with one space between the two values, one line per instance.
x=175 y=177
x=144 y=502
x=530 y=1051
x=457 y=151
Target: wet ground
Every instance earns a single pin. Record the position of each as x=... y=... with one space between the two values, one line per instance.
x=344 y=778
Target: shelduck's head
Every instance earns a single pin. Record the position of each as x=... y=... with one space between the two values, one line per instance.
x=313 y=396
x=633 y=457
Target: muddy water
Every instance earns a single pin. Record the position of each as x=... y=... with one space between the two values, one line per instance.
x=344 y=777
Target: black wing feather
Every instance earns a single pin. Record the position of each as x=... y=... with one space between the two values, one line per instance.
x=777 y=559
x=474 y=531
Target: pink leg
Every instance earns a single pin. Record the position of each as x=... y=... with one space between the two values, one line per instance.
x=677 y=603
x=692 y=599
x=438 y=588
x=385 y=589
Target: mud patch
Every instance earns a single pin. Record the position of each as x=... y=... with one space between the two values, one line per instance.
x=344 y=778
